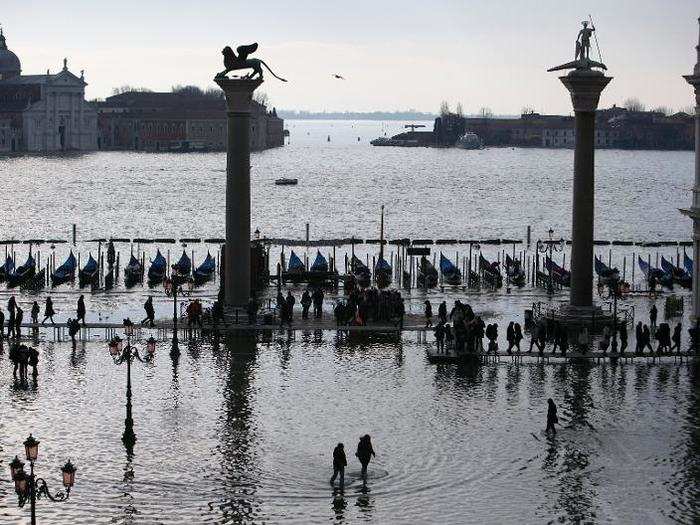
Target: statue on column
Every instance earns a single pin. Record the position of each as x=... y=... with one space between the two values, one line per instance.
x=583 y=49
x=233 y=62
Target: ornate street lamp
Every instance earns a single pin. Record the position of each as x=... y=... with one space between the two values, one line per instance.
x=127 y=356
x=550 y=245
x=29 y=488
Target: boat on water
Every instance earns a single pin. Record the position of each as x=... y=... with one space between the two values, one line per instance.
x=656 y=275
x=450 y=273
x=36 y=282
x=514 y=271
x=65 y=272
x=469 y=141
x=679 y=275
x=182 y=268
x=295 y=264
x=286 y=182
x=559 y=275
x=490 y=272
x=205 y=271
x=362 y=274
x=22 y=273
x=605 y=274
x=88 y=274
x=157 y=270
x=688 y=264
x=6 y=269
x=427 y=275
x=382 y=273
x=320 y=264
x=133 y=272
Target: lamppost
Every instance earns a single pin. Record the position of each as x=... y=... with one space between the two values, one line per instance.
x=550 y=246
x=29 y=488
x=127 y=355
x=469 y=272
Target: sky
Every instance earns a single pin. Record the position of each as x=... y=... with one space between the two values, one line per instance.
x=411 y=54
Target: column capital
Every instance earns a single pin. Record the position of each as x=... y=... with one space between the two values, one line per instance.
x=585 y=87
x=238 y=92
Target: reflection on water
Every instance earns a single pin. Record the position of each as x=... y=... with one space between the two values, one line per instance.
x=233 y=430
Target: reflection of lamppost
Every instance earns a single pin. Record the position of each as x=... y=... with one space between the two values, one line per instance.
x=30 y=488
x=469 y=272
x=614 y=285
x=550 y=246
x=127 y=355
x=171 y=288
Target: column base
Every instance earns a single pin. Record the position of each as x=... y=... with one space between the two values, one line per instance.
x=574 y=318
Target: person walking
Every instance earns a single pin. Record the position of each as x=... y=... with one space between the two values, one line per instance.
x=339 y=463
x=150 y=312
x=551 y=416
x=440 y=337
x=317 y=298
x=517 y=335
x=364 y=454
x=623 y=337
x=639 y=337
x=442 y=311
x=34 y=313
x=646 y=339
x=81 y=309
x=14 y=359
x=48 y=311
x=11 y=307
x=305 y=304
x=291 y=301
x=653 y=313
x=18 y=322
x=428 y=314
x=676 y=338
x=510 y=337
x=33 y=355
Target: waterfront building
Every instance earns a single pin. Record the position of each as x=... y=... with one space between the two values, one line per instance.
x=179 y=121
x=46 y=112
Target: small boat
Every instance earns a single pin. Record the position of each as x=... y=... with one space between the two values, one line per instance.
x=156 y=272
x=22 y=273
x=605 y=274
x=182 y=268
x=133 y=272
x=6 y=269
x=320 y=264
x=655 y=274
x=205 y=271
x=295 y=264
x=382 y=273
x=469 y=141
x=361 y=272
x=286 y=182
x=65 y=272
x=427 y=275
x=514 y=271
x=559 y=275
x=88 y=274
x=450 y=273
x=679 y=275
x=688 y=264
x=490 y=272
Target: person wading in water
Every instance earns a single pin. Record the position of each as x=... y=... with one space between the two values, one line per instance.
x=364 y=454
x=551 y=416
x=339 y=463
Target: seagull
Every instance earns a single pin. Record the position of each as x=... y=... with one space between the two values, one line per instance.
x=336 y=75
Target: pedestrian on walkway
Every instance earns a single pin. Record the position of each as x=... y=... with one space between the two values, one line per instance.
x=653 y=313
x=34 y=313
x=18 y=322
x=150 y=312
x=428 y=314
x=11 y=307
x=81 y=309
x=48 y=311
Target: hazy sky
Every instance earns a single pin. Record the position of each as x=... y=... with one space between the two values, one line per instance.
x=394 y=54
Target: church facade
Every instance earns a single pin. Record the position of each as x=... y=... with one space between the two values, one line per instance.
x=43 y=113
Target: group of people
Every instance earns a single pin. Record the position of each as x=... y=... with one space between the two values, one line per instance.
x=364 y=454
x=285 y=306
x=15 y=315
x=467 y=331
x=370 y=305
x=22 y=357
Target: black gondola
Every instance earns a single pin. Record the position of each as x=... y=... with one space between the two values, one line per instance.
x=559 y=275
x=182 y=269
x=490 y=272
x=450 y=273
x=88 y=274
x=427 y=275
x=22 y=273
x=655 y=274
x=7 y=269
x=133 y=272
x=362 y=274
x=156 y=272
x=205 y=271
x=514 y=271
x=382 y=273
x=65 y=272
x=679 y=275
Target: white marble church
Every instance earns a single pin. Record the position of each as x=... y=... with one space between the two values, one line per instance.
x=41 y=113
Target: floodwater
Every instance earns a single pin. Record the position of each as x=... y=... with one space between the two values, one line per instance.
x=240 y=431
x=243 y=431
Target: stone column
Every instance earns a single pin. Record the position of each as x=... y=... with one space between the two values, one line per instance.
x=585 y=86
x=694 y=211
x=239 y=94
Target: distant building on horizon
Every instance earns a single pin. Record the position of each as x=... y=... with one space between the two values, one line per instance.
x=43 y=113
x=185 y=120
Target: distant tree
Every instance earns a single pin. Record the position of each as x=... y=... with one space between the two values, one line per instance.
x=663 y=109
x=213 y=92
x=633 y=104
x=527 y=110
x=193 y=91
x=459 y=110
x=261 y=98
x=485 y=112
x=127 y=89
x=444 y=108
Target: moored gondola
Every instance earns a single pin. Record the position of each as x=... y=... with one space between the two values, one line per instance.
x=688 y=264
x=320 y=264
x=65 y=272
x=655 y=275
x=22 y=273
x=182 y=269
x=514 y=271
x=133 y=272
x=427 y=275
x=560 y=276
x=88 y=274
x=362 y=274
x=382 y=273
x=450 y=273
x=205 y=271
x=679 y=275
x=35 y=283
x=295 y=264
x=605 y=274
x=6 y=269
x=156 y=272
x=490 y=272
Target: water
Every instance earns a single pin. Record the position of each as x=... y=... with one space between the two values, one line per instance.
x=245 y=432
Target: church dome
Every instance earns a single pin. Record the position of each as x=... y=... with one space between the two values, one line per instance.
x=9 y=63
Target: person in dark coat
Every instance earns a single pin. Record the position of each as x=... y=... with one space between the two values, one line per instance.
x=653 y=314
x=34 y=313
x=551 y=416
x=305 y=304
x=517 y=335
x=364 y=454
x=510 y=336
x=73 y=329
x=15 y=358
x=339 y=463
x=48 y=311
x=291 y=301
x=33 y=355
x=440 y=337
x=639 y=336
x=81 y=310
x=646 y=339
x=317 y=299
x=428 y=314
x=676 y=338
x=623 y=337
x=2 y=324
x=442 y=312
x=18 y=322
x=150 y=312
x=11 y=307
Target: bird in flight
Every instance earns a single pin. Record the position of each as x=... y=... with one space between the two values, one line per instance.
x=336 y=75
